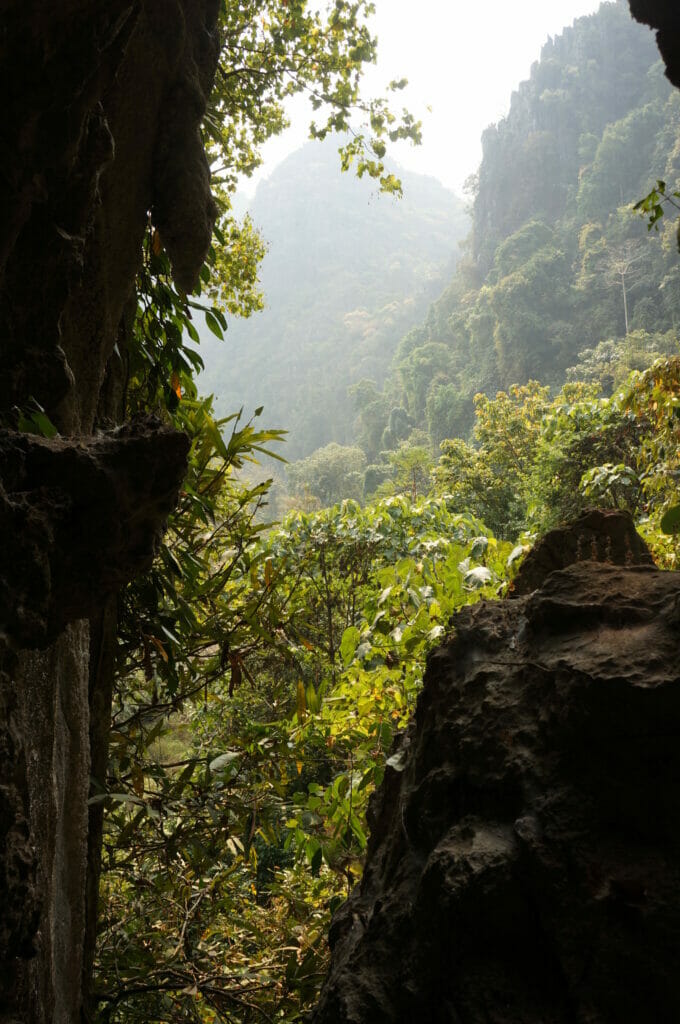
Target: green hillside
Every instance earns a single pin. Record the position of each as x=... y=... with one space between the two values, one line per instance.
x=559 y=279
x=558 y=261
x=347 y=273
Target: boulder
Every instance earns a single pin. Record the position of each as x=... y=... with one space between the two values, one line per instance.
x=598 y=535
x=524 y=859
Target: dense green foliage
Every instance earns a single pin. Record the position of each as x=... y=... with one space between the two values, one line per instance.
x=530 y=454
x=267 y=672
x=266 y=677
x=558 y=261
x=565 y=264
x=329 y=475
x=170 y=838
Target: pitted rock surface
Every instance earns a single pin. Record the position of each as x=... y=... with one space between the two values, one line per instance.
x=524 y=863
x=599 y=535
x=100 y=125
x=85 y=515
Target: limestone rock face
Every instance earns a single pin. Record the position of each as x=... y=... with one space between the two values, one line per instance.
x=85 y=515
x=524 y=859
x=99 y=128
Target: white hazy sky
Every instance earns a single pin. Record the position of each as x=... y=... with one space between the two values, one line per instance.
x=462 y=59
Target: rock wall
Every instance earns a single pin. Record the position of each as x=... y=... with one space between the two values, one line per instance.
x=524 y=859
x=103 y=127
x=99 y=127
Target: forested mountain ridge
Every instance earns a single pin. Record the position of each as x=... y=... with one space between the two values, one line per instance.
x=557 y=262
x=590 y=76
x=346 y=274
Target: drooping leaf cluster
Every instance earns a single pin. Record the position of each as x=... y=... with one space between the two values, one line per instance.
x=273 y=49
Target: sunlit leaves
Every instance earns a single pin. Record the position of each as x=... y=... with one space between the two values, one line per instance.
x=242 y=809
x=538 y=461
x=653 y=398
x=273 y=50
x=652 y=205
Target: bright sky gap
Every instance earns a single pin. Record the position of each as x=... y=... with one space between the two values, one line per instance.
x=463 y=61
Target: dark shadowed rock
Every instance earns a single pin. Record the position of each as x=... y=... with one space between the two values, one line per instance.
x=599 y=535
x=99 y=129
x=85 y=515
x=80 y=517
x=101 y=125
x=664 y=16
x=524 y=862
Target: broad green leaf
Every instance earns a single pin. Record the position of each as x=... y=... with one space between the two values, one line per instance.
x=224 y=760
x=349 y=644
x=670 y=522
x=213 y=325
